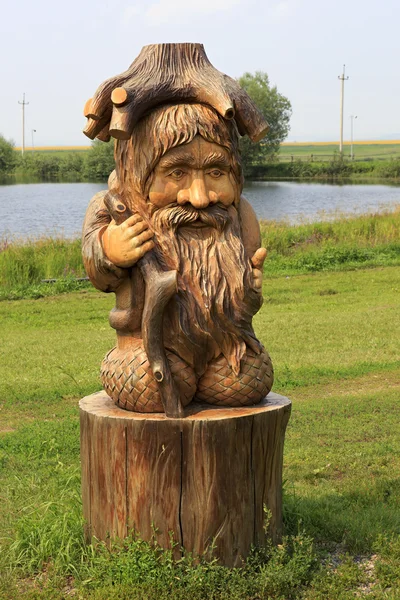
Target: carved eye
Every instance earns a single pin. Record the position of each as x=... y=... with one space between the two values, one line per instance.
x=177 y=174
x=215 y=173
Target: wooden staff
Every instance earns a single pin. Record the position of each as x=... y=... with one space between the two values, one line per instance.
x=160 y=287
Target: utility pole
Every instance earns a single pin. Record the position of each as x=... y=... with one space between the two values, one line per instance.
x=342 y=79
x=33 y=147
x=352 y=117
x=23 y=103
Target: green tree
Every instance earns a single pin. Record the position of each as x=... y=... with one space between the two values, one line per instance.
x=277 y=111
x=71 y=166
x=100 y=161
x=8 y=156
x=42 y=166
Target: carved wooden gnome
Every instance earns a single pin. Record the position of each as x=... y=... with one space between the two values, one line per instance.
x=174 y=239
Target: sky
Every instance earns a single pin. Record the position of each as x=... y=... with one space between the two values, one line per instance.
x=57 y=53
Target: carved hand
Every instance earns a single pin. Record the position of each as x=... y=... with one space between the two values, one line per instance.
x=257 y=261
x=125 y=244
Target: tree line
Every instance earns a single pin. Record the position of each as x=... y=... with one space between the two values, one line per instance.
x=98 y=162
x=94 y=165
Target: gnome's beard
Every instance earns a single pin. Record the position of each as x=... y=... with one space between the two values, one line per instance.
x=213 y=309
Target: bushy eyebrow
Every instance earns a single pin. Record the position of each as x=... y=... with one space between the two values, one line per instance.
x=177 y=160
x=217 y=159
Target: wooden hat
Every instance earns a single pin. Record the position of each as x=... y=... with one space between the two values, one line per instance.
x=164 y=74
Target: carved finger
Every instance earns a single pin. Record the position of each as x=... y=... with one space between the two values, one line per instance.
x=137 y=229
x=257 y=279
x=141 y=251
x=136 y=218
x=143 y=237
x=258 y=258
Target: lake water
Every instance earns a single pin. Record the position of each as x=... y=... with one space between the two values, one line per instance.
x=59 y=208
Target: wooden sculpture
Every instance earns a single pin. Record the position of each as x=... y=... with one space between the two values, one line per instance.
x=181 y=249
x=173 y=238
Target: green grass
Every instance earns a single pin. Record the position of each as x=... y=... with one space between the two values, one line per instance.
x=377 y=161
x=25 y=264
x=345 y=332
x=335 y=341
x=332 y=168
x=361 y=150
x=342 y=244
x=327 y=151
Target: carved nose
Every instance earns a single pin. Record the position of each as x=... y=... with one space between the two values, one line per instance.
x=196 y=195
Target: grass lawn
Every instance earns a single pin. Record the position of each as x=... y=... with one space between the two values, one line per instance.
x=334 y=338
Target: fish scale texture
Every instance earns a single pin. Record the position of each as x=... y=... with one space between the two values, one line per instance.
x=221 y=387
x=128 y=379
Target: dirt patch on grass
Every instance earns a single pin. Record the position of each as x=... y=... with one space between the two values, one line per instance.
x=6 y=430
x=359 y=386
x=14 y=417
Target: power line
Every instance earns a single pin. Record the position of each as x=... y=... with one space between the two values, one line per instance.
x=342 y=79
x=33 y=145
x=23 y=103
x=352 y=117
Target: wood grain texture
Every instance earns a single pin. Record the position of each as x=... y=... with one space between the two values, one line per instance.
x=186 y=331
x=153 y=479
x=160 y=287
x=170 y=73
x=205 y=478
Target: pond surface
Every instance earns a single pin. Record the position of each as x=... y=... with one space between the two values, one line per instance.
x=58 y=208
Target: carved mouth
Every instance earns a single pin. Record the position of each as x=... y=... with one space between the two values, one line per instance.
x=197 y=223
x=181 y=216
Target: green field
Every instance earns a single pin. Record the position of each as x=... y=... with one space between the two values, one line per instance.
x=55 y=150
x=325 y=152
x=331 y=322
x=320 y=151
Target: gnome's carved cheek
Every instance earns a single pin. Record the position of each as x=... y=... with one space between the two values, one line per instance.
x=161 y=195
x=226 y=197
x=226 y=193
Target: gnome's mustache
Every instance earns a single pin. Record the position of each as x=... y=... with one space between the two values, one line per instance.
x=172 y=217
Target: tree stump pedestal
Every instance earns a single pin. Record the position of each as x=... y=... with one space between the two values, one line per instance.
x=205 y=478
